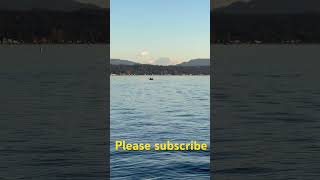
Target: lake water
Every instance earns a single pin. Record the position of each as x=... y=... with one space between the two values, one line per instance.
x=265 y=105
x=53 y=114
x=266 y=111
x=174 y=108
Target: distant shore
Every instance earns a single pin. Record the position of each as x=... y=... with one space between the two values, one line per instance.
x=43 y=44
x=159 y=75
x=148 y=69
x=261 y=44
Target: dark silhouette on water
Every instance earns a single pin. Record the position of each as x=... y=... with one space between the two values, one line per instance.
x=151 y=79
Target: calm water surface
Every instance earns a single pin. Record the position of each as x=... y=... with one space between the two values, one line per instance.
x=266 y=112
x=53 y=117
x=174 y=108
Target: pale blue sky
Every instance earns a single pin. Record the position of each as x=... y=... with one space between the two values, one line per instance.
x=160 y=31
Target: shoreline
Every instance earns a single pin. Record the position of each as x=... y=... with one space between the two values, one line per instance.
x=162 y=75
x=264 y=44
x=53 y=44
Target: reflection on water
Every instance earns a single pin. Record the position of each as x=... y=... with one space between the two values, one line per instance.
x=174 y=108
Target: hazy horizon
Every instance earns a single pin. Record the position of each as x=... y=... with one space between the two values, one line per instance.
x=160 y=32
x=135 y=61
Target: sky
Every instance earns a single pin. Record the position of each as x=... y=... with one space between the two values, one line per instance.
x=215 y=3
x=160 y=32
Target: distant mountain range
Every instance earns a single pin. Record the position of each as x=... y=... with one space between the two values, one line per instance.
x=122 y=62
x=191 y=63
x=54 y=5
x=196 y=62
x=267 y=21
x=53 y=21
x=273 y=6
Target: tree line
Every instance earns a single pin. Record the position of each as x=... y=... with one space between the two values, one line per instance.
x=144 y=69
x=44 y=26
x=265 y=28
